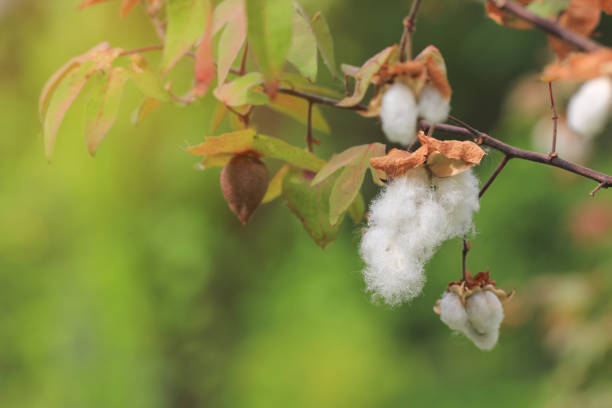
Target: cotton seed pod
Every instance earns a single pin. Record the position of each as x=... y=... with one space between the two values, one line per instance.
x=398 y=114
x=433 y=107
x=244 y=182
x=589 y=108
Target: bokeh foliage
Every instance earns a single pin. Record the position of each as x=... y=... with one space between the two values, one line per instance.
x=126 y=281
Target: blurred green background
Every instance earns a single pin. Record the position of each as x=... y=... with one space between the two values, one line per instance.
x=125 y=281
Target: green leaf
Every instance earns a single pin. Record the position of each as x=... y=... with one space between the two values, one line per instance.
x=365 y=74
x=239 y=92
x=325 y=42
x=275 y=186
x=247 y=140
x=303 y=51
x=349 y=182
x=357 y=209
x=297 y=108
x=146 y=107
x=64 y=95
x=310 y=205
x=350 y=155
x=548 y=8
x=103 y=106
x=186 y=23
x=298 y=82
x=269 y=29
x=146 y=80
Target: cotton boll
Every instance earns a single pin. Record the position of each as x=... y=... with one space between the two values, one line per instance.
x=484 y=341
x=485 y=311
x=398 y=114
x=411 y=217
x=589 y=108
x=452 y=312
x=433 y=107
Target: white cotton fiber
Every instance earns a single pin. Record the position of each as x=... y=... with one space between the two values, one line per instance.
x=433 y=107
x=589 y=107
x=411 y=217
x=398 y=114
x=478 y=320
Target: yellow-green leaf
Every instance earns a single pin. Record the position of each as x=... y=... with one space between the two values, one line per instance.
x=240 y=91
x=275 y=186
x=146 y=107
x=350 y=155
x=357 y=209
x=310 y=205
x=325 y=42
x=186 y=22
x=233 y=36
x=303 y=51
x=103 y=106
x=269 y=30
x=146 y=80
x=297 y=108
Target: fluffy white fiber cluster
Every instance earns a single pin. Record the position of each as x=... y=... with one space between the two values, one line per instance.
x=589 y=108
x=400 y=110
x=478 y=320
x=407 y=222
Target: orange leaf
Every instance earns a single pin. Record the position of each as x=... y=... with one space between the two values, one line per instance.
x=466 y=151
x=398 y=162
x=580 y=67
x=581 y=16
x=501 y=18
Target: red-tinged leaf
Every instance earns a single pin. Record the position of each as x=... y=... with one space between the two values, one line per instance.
x=226 y=11
x=127 y=6
x=240 y=91
x=103 y=106
x=347 y=185
x=230 y=43
x=297 y=108
x=310 y=205
x=276 y=184
x=364 y=76
x=350 y=155
x=247 y=141
x=325 y=42
x=269 y=30
x=149 y=82
x=186 y=22
x=244 y=181
x=146 y=107
x=88 y=3
x=204 y=71
x=57 y=77
x=65 y=94
x=303 y=51
x=357 y=209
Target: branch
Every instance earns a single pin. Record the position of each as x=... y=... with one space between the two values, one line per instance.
x=550 y=26
x=491 y=179
x=405 y=48
x=555 y=119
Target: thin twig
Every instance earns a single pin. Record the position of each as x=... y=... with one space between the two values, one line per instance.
x=244 y=59
x=309 y=139
x=599 y=187
x=142 y=49
x=464 y=252
x=491 y=179
x=555 y=118
x=405 y=48
x=550 y=26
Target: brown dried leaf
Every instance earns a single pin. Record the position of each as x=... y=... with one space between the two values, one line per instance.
x=581 y=66
x=437 y=77
x=398 y=162
x=466 y=151
x=581 y=16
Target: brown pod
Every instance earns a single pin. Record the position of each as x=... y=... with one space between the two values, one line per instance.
x=244 y=182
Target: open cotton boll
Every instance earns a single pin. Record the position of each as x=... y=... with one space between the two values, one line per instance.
x=433 y=107
x=452 y=312
x=398 y=114
x=485 y=311
x=589 y=108
x=407 y=222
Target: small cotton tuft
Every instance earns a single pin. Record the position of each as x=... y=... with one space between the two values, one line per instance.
x=433 y=107
x=411 y=217
x=478 y=320
x=398 y=114
x=589 y=108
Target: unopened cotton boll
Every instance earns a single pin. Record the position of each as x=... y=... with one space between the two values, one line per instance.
x=433 y=107
x=398 y=114
x=478 y=320
x=589 y=108
x=407 y=222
